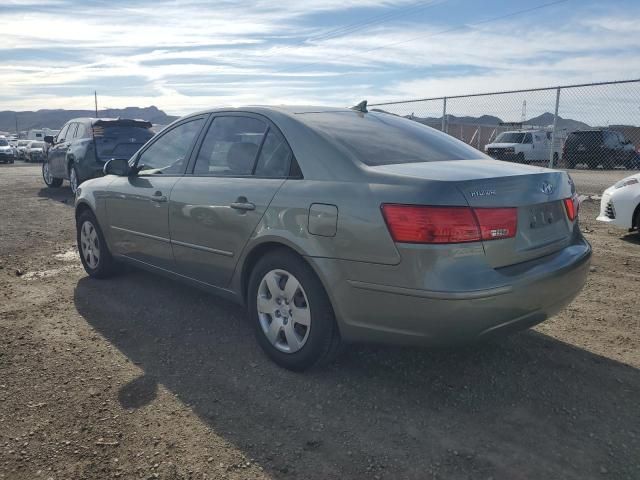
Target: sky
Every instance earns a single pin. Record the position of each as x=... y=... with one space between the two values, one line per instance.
x=182 y=56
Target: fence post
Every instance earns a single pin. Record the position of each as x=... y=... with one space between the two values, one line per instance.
x=553 y=132
x=444 y=115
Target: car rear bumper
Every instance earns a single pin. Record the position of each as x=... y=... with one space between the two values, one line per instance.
x=531 y=292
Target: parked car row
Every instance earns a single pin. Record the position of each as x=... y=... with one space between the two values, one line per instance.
x=591 y=148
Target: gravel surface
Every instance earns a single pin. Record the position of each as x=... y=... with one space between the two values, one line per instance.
x=142 y=377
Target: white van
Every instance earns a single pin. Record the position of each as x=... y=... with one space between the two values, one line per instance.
x=523 y=146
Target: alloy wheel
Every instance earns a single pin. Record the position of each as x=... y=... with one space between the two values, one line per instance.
x=90 y=244
x=283 y=311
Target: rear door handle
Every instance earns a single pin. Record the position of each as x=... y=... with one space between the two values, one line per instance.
x=242 y=203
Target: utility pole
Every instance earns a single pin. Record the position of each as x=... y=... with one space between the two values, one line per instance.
x=95 y=98
x=17 y=131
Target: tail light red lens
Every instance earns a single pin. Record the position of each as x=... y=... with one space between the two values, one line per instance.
x=572 y=205
x=425 y=224
x=496 y=223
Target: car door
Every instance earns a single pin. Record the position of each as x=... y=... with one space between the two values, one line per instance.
x=137 y=206
x=241 y=163
x=528 y=148
x=58 y=152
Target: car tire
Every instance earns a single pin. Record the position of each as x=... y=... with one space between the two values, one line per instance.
x=92 y=247
x=49 y=180
x=520 y=158
x=74 y=179
x=296 y=330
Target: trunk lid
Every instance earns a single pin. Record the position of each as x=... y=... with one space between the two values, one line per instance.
x=537 y=193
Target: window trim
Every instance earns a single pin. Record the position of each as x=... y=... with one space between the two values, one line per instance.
x=270 y=125
x=205 y=117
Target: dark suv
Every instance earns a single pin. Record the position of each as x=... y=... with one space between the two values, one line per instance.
x=83 y=145
x=603 y=147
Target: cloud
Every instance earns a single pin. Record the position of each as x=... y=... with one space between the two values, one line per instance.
x=183 y=56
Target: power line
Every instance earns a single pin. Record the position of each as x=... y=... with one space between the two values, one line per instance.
x=356 y=26
x=442 y=32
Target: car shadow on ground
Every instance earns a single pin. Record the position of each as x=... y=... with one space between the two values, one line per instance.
x=632 y=237
x=62 y=194
x=525 y=407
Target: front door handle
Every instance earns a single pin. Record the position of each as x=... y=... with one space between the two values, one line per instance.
x=242 y=203
x=158 y=197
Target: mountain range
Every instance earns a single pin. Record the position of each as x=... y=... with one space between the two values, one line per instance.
x=543 y=120
x=55 y=119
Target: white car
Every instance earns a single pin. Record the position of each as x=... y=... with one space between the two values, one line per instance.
x=620 y=204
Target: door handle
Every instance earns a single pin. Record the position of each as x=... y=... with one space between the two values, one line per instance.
x=242 y=203
x=158 y=197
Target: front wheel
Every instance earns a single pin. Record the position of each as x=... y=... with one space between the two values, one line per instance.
x=94 y=253
x=291 y=312
x=48 y=178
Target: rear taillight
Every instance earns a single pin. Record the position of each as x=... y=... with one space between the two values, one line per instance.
x=497 y=223
x=426 y=224
x=572 y=206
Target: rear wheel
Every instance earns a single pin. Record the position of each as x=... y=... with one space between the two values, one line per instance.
x=291 y=312
x=94 y=253
x=520 y=158
x=74 y=179
x=48 y=178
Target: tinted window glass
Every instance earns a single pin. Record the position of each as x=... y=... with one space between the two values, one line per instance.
x=3 y=142
x=381 y=139
x=169 y=153
x=230 y=146
x=528 y=138
x=117 y=141
x=586 y=137
x=275 y=157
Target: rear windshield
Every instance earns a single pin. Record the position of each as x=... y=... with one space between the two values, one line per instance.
x=36 y=145
x=119 y=141
x=383 y=139
x=23 y=143
x=3 y=142
x=589 y=136
x=510 y=137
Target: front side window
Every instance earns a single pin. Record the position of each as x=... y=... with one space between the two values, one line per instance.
x=63 y=134
x=169 y=153
x=528 y=138
x=275 y=157
x=71 y=134
x=230 y=146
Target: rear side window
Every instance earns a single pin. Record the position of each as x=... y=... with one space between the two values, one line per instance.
x=382 y=139
x=230 y=146
x=116 y=141
x=82 y=131
x=275 y=157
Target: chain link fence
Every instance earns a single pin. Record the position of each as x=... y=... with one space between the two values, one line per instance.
x=591 y=126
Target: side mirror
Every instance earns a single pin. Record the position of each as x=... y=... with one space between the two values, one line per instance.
x=117 y=166
x=48 y=139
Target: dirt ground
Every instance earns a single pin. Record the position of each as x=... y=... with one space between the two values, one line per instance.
x=142 y=377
